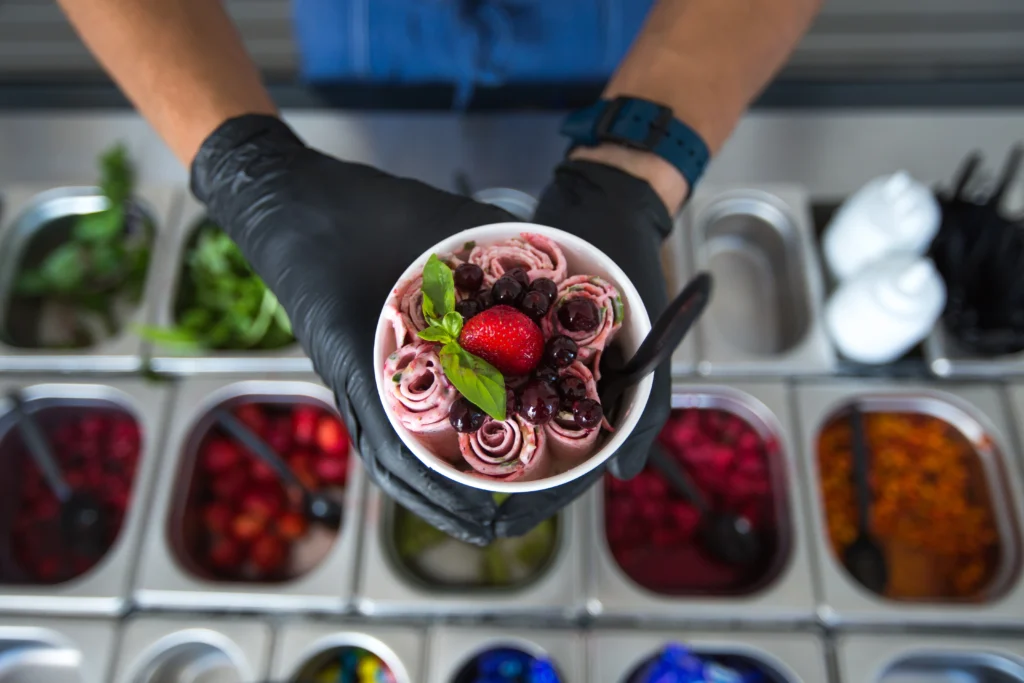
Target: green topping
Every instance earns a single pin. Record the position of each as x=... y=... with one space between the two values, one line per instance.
x=619 y=309
x=469 y=245
x=438 y=289
x=397 y=377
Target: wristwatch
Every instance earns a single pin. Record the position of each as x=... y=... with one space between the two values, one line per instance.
x=643 y=125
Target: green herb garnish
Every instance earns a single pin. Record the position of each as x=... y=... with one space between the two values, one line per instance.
x=476 y=379
x=223 y=304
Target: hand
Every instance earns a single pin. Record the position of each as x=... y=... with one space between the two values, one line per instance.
x=330 y=239
x=624 y=217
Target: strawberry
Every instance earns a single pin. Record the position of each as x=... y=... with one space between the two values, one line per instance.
x=504 y=337
x=304 y=419
x=331 y=436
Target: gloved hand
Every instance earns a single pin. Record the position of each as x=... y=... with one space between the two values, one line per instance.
x=622 y=216
x=330 y=239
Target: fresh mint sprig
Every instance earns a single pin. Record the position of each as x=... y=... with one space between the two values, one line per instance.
x=478 y=381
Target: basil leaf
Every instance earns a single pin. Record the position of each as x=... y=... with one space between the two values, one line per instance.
x=453 y=323
x=619 y=312
x=438 y=288
x=101 y=226
x=476 y=379
x=435 y=333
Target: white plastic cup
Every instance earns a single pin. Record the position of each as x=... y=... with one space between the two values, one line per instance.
x=581 y=258
x=892 y=214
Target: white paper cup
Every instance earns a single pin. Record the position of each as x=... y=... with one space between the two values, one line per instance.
x=582 y=258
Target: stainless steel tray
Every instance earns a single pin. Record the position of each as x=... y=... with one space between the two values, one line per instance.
x=105 y=589
x=163 y=581
x=978 y=412
x=765 y=316
x=678 y=270
x=451 y=648
x=1015 y=396
x=290 y=358
x=386 y=588
x=867 y=658
x=795 y=657
x=947 y=358
x=400 y=647
x=197 y=648
x=26 y=208
x=789 y=596
x=57 y=650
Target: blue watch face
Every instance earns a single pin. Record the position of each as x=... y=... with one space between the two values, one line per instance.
x=640 y=124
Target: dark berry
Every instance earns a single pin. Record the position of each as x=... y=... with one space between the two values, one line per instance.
x=465 y=416
x=469 y=277
x=571 y=389
x=548 y=287
x=519 y=275
x=511 y=403
x=546 y=373
x=506 y=291
x=485 y=299
x=588 y=413
x=560 y=351
x=534 y=304
x=467 y=308
x=578 y=315
x=539 y=402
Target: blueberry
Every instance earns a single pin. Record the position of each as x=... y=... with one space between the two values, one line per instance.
x=539 y=402
x=588 y=413
x=546 y=373
x=485 y=299
x=579 y=315
x=467 y=308
x=468 y=277
x=545 y=286
x=511 y=403
x=560 y=351
x=519 y=275
x=506 y=291
x=465 y=416
x=535 y=305
x=571 y=389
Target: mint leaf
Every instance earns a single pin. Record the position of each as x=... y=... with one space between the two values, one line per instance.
x=101 y=226
x=476 y=379
x=453 y=324
x=436 y=333
x=438 y=288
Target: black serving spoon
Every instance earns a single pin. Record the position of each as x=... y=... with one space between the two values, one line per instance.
x=665 y=335
x=864 y=558
x=727 y=537
x=83 y=524
x=317 y=506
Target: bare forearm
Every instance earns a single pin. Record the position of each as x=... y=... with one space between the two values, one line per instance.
x=180 y=62
x=707 y=60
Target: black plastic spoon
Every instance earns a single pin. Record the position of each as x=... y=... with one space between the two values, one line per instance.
x=665 y=335
x=318 y=507
x=83 y=524
x=864 y=558
x=727 y=537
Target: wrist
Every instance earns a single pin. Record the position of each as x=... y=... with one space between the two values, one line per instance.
x=664 y=178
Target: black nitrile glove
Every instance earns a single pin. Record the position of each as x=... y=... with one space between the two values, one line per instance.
x=330 y=239
x=623 y=217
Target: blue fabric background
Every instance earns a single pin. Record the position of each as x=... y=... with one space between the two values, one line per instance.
x=464 y=42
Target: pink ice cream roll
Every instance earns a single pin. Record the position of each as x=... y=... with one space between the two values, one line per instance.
x=421 y=396
x=569 y=444
x=538 y=255
x=406 y=315
x=610 y=309
x=513 y=450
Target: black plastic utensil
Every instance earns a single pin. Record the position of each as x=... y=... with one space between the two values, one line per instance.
x=665 y=335
x=864 y=557
x=83 y=524
x=317 y=506
x=727 y=537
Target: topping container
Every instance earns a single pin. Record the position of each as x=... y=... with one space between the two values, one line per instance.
x=780 y=588
x=764 y=317
x=183 y=562
x=288 y=358
x=452 y=649
x=614 y=656
x=208 y=649
x=106 y=439
x=678 y=270
x=303 y=648
x=37 y=219
x=389 y=585
x=922 y=589
x=912 y=658
x=48 y=650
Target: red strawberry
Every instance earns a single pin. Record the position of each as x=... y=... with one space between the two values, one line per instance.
x=331 y=436
x=506 y=338
x=304 y=419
